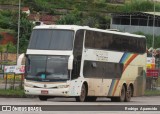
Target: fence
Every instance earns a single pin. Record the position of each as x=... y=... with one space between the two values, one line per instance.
x=11 y=81
x=152 y=83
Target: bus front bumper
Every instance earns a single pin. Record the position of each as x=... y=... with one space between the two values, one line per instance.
x=47 y=92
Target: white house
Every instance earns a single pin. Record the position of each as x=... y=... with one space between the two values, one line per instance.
x=26 y=10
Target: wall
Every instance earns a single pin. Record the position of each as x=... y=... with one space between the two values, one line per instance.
x=133 y=29
x=11 y=56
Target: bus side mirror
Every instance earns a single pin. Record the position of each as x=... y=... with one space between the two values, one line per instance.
x=70 y=63
x=20 y=58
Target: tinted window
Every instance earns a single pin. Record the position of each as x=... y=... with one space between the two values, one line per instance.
x=77 y=51
x=51 y=39
x=100 y=40
x=46 y=68
x=78 y=43
x=95 y=69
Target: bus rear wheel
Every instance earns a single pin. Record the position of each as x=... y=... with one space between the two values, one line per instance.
x=82 y=97
x=121 y=98
x=123 y=94
x=128 y=94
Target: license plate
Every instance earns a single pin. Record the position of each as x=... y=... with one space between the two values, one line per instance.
x=44 y=92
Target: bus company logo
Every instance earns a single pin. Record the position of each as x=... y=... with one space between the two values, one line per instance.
x=6 y=108
x=21 y=108
x=45 y=85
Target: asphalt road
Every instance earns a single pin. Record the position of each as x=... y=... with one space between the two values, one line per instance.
x=64 y=105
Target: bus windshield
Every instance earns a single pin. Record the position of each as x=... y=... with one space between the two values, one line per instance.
x=46 y=68
x=51 y=39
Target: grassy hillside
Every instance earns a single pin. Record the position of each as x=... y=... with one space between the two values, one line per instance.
x=93 y=13
x=13 y=2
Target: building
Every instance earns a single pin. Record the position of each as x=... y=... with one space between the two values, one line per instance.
x=26 y=10
x=43 y=19
x=136 y=22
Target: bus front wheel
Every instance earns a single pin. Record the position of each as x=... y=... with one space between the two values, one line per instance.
x=82 y=97
x=43 y=98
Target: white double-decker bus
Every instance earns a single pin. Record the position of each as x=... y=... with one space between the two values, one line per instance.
x=85 y=63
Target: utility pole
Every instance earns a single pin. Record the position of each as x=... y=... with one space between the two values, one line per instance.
x=153 y=28
x=19 y=21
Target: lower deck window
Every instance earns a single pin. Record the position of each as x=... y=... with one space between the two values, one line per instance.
x=95 y=69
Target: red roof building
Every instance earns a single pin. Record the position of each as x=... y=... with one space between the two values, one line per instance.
x=26 y=10
x=45 y=19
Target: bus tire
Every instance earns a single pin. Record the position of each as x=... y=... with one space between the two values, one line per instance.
x=91 y=99
x=82 y=97
x=43 y=98
x=128 y=94
x=121 y=98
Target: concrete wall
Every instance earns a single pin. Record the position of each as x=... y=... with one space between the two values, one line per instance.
x=10 y=57
x=133 y=29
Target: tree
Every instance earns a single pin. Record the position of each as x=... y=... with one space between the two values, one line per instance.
x=1 y=37
x=11 y=48
x=25 y=31
x=149 y=39
x=72 y=18
x=2 y=50
x=91 y=19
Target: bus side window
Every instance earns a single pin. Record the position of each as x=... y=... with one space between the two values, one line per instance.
x=77 y=52
x=89 y=40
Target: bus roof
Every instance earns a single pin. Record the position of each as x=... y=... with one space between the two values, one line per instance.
x=76 y=27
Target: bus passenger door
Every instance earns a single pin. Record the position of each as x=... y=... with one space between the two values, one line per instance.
x=95 y=87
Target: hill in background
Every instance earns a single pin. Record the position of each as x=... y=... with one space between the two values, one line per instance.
x=93 y=13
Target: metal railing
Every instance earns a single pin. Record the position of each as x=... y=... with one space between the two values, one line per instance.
x=11 y=81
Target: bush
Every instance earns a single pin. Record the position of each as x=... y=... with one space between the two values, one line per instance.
x=140 y=5
x=1 y=37
x=150 y=40
x=11 y=48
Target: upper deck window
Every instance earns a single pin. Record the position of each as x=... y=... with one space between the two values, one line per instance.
x=115 y=42
x=51 y=39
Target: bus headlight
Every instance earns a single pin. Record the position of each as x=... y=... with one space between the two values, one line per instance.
x=62 y=86
x=28 y=85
